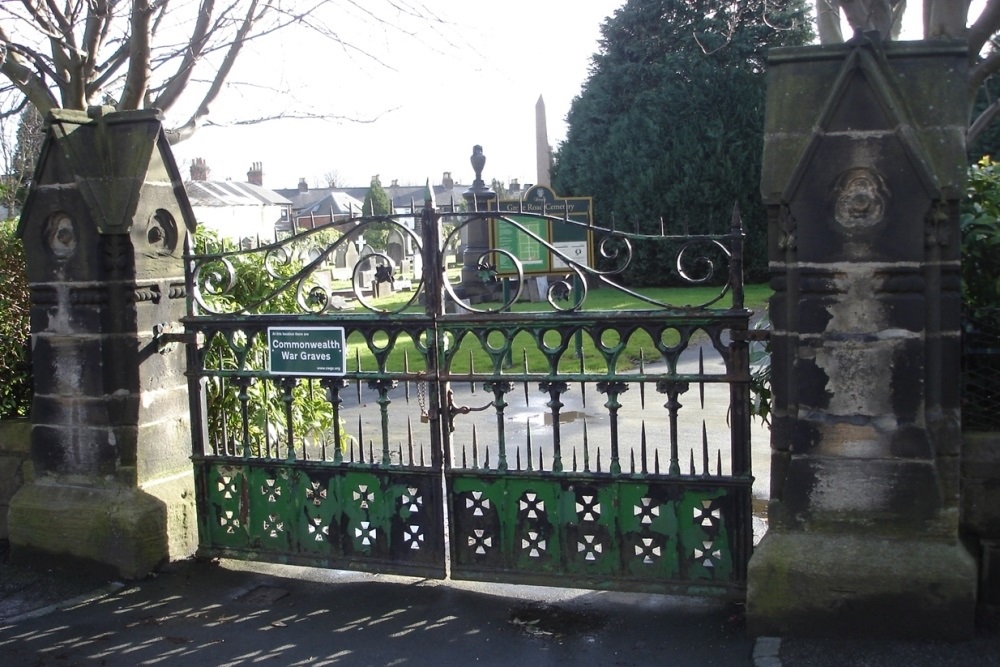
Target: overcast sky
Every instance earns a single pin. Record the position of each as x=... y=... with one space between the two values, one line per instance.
x=471 y=77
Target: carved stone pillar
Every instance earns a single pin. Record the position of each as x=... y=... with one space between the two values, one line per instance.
x=864 y=166
x=103 y=229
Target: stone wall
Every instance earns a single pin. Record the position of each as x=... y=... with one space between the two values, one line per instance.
x=15 y=464
x=981 y=510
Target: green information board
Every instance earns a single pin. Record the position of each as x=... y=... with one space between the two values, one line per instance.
x=306 y=351
x=573 y=240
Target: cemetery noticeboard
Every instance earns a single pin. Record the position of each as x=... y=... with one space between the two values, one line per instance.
x=572 y=240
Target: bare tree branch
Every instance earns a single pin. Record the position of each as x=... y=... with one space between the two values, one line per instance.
x=188 y=128
x=981 y=122
x=179 y=81
x=25 y=78
x=984 y=27
x=981 y=70
x=137 y=79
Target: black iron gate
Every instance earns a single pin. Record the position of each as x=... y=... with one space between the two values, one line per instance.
x=482 y=437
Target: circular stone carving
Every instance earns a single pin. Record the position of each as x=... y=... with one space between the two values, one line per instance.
x=161 y=232
x=861 y=198
x=60 y=235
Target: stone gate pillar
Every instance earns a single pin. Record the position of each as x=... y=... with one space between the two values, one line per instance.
x=864 y=166
x=103 y=229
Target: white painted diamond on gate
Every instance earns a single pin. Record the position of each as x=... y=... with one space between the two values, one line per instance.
x=413 y=536
x=317 y=529
x=364 y=495
x=227 y=486
x=477 y=503
x=479 y=543
x=708 y=553
x=648 y=551
x=229 y=521
x=413 y=499
x=647 y=510
x=705 y=515
x=316 y=493
x=366 y=533
x=270 y=490
x=273 y=525
x=590 y=547
x=588 y=508
x=534 y=544
x=532 y=504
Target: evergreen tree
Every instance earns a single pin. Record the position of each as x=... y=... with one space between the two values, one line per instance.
x=669 y=124
x=377 y=203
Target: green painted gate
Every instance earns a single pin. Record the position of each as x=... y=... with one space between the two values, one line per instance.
x=460 y=431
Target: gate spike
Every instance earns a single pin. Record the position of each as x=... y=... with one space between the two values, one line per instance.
x=525 y=384
x=718 y=463
x=583 y=383
x=409 y=439
x=465 y=462
x=357 y=358
x=475 y=447
x=586 y=447
x=400 y=452
x=517 y=458
x=406 y=391
x=692 y=463
x=472 y=371
x=704 y=447
x=631 y=456
x=406 y=361
x=528 y=446
x=656 y=462
x=371 y=451
x=361 y=440
x=486 y=462
x=643 y=450
x=661 y=226
x=583 y=392
x=701 y=372
x=541 y=465
x=357 y=385
x=574 y=459
x=422 y=455
x=598 y=458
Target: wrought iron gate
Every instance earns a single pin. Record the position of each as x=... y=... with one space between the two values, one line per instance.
x=474 y=437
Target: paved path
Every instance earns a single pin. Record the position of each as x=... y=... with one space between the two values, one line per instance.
x=250 y=614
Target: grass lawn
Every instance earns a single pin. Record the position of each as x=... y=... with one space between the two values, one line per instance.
x=526 y=353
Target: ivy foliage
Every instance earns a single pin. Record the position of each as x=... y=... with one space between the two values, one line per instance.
x=16 y=389
x=980 y=224
x=312 y=414
x=670 y=122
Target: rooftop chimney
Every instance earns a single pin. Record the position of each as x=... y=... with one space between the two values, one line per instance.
x=447 y=181
x=302 y=185
x=199 y=169
x=256 y=174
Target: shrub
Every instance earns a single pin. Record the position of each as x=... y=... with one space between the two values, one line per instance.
x=15 y=367
x=980 y=224
x=312 y=414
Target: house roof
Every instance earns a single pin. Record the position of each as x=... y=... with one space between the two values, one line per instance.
x=232 y=193
x=337 y=202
